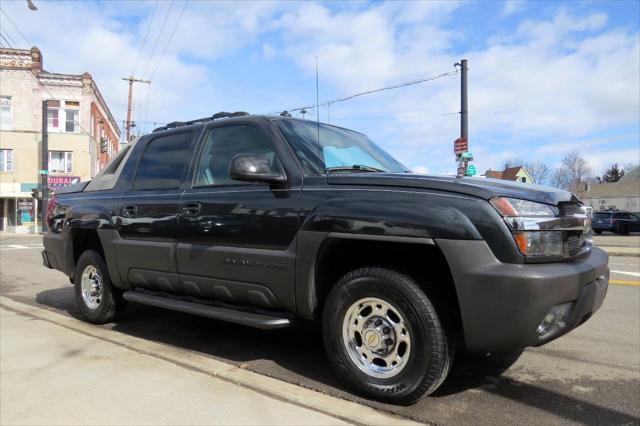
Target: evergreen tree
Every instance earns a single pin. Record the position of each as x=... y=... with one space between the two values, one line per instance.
x=613 y=174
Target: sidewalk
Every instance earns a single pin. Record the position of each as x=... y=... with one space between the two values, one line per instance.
x=616 y=245
x=57 y=370
x=621 y=251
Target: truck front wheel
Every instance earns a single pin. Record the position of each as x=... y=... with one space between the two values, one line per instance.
x=99 y=302
x=385 y=337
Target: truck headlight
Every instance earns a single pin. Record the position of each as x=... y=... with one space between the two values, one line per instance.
x=522 y=208
x=539 y=243
x=536 y=227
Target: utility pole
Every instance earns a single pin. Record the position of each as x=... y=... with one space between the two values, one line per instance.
x=464 y=109
x=131 y=80
x=461 y=145
x=44 y=168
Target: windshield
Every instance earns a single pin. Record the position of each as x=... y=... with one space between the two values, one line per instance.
x=339 y=149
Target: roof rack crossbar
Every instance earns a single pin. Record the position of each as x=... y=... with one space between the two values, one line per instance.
x=216 y=116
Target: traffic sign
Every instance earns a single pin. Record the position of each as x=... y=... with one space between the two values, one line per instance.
x=471 y=170
x=466 y=156
x=460 y=145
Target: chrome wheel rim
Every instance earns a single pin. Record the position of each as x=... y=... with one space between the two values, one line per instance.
x=91 y=287
x=376 y=337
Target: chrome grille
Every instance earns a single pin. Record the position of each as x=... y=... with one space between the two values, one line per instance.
x=574 y=244
x=574 y=240
x=570 y=209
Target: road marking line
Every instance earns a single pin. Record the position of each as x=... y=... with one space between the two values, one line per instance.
x=623 y=282
x=633 y=274
x=20 y=247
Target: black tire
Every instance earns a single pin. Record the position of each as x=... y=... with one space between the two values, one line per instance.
x=598 y=231
x=110 y=304
x=432 y=349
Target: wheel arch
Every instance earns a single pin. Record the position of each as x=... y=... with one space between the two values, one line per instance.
x=90 y=238
x=337 y=254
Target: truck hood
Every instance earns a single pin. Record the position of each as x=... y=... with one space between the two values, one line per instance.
x=476 y=187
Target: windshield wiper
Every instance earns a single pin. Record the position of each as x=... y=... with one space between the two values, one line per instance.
x=354 y=168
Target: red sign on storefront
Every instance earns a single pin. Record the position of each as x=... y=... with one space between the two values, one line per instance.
x=57 y=182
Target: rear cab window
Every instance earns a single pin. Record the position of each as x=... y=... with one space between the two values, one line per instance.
x=164 y=162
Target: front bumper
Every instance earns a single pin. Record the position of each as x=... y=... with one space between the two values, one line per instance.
x=54 y=251
x=502 y=304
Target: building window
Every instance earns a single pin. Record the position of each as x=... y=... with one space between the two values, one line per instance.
x=61 y=161
x=53 y=115
x=523 y=179
x=5 y=112
x=72 y=112
x=66 y=111
x=6 y=160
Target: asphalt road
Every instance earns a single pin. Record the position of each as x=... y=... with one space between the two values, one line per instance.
x=591 y=375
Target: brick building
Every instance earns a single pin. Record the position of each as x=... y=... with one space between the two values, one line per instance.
x=83 y=135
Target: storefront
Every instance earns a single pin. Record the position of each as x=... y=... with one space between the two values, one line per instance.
x=19 y=211
x=19 y=214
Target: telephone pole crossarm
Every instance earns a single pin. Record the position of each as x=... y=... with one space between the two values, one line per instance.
x=131 y=80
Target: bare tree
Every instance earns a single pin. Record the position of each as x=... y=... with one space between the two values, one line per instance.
x=539 y=171
x=573 y=175
x=560 y=179
x=577 y=167
x=512 y=162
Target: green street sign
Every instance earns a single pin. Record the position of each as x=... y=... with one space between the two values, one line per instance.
x=471 y=170
x=44 y=172
x=467 y=156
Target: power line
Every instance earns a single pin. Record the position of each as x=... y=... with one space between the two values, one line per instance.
x=16 y=27
x=368 y=92
x=41 y=84
x=146 y=106
x=10 y=40
x=155 y=46
x=396 y=117
x=169 y=41
x=4 y=40
x=144 y=41
x=164 y=51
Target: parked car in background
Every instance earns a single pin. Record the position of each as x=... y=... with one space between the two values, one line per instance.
x=615 y=221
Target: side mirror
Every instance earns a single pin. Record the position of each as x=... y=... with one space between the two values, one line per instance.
x=254 y=168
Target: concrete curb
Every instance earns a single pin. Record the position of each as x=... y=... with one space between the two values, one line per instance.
x=615 y=251
x=329 y=405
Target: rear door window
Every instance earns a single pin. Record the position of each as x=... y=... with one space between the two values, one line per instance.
x=602 y=215
x=164 y=162
x=621 y=216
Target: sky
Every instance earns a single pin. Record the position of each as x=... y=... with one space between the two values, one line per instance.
x=545 y=78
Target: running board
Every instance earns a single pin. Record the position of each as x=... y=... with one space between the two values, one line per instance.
x=250 y=319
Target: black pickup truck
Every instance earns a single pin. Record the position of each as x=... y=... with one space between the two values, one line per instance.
x=265 y=221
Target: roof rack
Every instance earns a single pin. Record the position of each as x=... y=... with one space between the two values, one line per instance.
x=216 y=116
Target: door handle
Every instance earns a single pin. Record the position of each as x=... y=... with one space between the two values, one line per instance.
x=129 y=211
x=190 y=209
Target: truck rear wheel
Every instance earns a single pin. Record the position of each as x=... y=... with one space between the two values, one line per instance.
x=99 y=302
x=384 y=336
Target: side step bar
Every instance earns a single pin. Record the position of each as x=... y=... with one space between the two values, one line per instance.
x=250 y=319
